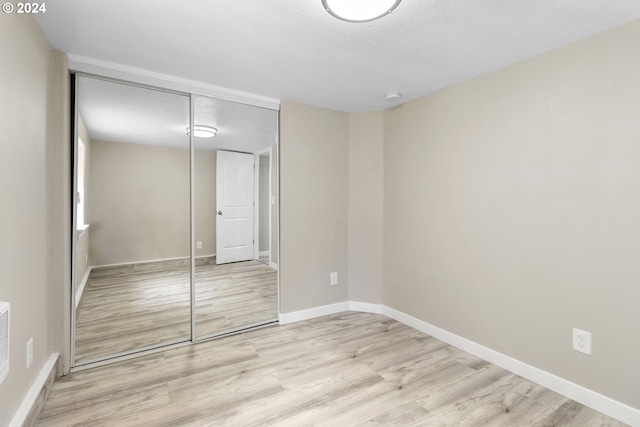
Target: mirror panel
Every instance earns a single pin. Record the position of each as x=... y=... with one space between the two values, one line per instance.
x=235 y=280
x=132 y=272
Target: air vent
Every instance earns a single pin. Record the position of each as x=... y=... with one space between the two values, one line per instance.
x=4 y=340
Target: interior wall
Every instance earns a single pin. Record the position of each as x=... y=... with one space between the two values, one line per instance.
x=511 y=211
x=131 y=220
x=28 y=91
x=139 y=209
x=205 y=203
x=314 y=153
x=366 y=182
x=59 y=210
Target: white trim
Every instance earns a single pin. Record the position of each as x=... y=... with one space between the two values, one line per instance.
x=263 y=152
x=367 y=307
x=274 y=265
x=258 y=214
x=310 y=313
x=137 y=75
x=580 y=394
x=83 y=285
x=256 y=206
x=34 y=391
x=81 y=230
x=186 y=258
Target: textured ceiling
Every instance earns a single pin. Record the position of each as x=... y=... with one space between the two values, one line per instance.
x=295 y=50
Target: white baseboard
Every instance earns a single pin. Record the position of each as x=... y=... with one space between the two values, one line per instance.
x=30 y=399
x=148 y=261
x=367 y=307
x=82 y=286
x=264 y=253
x=274 y=265
x=580 y=394
x=325 y=310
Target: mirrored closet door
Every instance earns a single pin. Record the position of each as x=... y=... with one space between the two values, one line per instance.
x=235 y=281
x=176 y=231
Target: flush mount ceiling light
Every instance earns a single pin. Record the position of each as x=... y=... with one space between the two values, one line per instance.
x=360 y=10
x=202 y=131
x=392 y=96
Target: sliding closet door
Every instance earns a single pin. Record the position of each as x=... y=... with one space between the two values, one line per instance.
x=239 y=291
x=132 y=257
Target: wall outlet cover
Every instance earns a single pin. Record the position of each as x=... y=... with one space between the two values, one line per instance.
x=582 y=341
x=333 y=278
x=29 y=352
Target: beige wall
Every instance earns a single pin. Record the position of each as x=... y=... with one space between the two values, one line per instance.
x=512 y=206
x=205 y=201
x=313 y=206
x=59 y=210
x=30 y=125
x=139 y=205
x=366 y=207
x=331 y=206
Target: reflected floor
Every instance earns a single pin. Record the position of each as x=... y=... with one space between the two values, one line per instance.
x=135 y=306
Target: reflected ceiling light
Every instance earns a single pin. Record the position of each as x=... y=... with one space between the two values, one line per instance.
x=202 y=131
x=360 y=10
x=392 y=96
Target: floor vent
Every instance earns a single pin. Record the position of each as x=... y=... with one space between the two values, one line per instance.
x=4 y=340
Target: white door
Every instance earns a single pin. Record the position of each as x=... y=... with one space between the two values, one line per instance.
x=235 y=207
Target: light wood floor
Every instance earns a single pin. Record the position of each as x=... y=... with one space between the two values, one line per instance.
x=142 y=305
x=350 y=369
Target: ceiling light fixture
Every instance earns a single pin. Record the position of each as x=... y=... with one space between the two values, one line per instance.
x=392 y=96
x=202 y=131
x=360 y=10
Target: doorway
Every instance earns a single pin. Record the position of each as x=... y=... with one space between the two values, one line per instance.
x=146 y=273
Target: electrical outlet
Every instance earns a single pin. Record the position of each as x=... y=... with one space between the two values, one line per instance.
x=333 y=278
x=29 y=352
x=582 y=341
x=199 y=244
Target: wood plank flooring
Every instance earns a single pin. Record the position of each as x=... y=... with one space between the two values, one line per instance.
x=349 y=369
x=142 y=305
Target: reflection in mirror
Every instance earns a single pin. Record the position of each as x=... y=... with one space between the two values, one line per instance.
x=132 y=253
x=235 y=217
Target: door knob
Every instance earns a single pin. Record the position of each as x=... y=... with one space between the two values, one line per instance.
x=220 y=213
